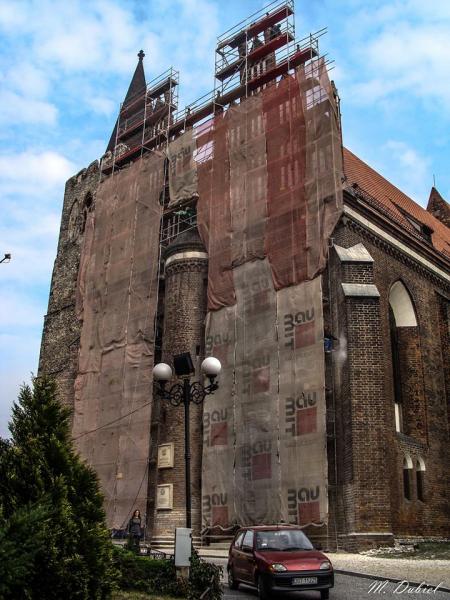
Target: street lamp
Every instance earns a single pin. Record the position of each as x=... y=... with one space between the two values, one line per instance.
x=6 y=258
x=185 y=393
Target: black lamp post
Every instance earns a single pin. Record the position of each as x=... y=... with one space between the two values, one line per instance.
x=185 y=393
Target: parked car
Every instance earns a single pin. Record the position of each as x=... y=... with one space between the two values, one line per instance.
x=278 y=558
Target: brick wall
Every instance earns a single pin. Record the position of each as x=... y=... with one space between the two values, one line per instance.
x=367 y=452
x=184 y=317
x=411 y=376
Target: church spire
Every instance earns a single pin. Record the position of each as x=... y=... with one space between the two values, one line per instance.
x=137 y=86
x=438 y=207
x=138 y=83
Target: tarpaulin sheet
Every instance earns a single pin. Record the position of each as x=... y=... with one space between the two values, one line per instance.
x=181 y=154
x=324 y=169
x=213 y=208
x=302 y=409
x=264 y=452
x=117 y=297
x=257 y=494
x=248 y=180
x=270 y=194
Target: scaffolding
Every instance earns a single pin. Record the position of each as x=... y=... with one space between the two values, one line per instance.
x=144 y=121
x=250 y=56
x=251 y=164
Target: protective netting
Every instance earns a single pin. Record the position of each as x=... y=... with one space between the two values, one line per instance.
x=264 y=457
x=213 y=208
x=117 y=297
x=248 y=180
x=181 y=154
x=270 y=195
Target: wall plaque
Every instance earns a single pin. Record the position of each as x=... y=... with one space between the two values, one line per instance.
x=165 y=456
x=164 y=497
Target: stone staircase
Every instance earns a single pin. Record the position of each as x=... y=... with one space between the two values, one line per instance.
x=166 y=544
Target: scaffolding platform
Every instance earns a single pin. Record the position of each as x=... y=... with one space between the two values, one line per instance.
x=256 y=23
x=254 y=53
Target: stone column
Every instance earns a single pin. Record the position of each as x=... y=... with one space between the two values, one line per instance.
x=186 y=270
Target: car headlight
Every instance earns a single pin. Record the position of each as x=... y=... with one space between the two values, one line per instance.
x=278 y=568
x=325 y=565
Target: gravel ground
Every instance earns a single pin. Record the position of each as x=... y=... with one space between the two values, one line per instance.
x=417 y=570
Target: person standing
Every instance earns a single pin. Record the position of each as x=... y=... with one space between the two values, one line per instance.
x=134 y=530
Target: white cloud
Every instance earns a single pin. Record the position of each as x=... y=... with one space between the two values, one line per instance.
x=102 y=105
x=34 y=173
x=11 y=14
x=18 y=312
x=18 y=109
x=32 y=187
x=28 y=79
x=408 y=169
x=420 y=71
x=33 y=249
x=400 y=49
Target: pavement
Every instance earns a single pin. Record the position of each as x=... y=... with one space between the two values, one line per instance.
x=346 y=587
x=358 y=574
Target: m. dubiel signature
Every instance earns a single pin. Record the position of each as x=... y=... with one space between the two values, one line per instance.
x=403 y=587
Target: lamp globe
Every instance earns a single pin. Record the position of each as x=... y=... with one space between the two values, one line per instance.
x=211 y=366
x=162 y=372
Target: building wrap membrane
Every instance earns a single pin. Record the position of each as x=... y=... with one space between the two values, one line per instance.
x=267 y=176
x=116 y=300
x=268 y=179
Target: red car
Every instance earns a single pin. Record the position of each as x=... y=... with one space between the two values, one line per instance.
x=276 y=559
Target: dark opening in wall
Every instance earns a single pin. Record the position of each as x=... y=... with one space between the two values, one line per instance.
x=87 y=207
x=420 y=480
x=406 y=480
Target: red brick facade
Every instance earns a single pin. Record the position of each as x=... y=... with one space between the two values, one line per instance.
x=370 y=452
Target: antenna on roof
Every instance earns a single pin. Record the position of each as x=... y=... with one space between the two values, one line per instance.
x=434 y=180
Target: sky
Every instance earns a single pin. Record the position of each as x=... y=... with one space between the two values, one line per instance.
x=66 y=65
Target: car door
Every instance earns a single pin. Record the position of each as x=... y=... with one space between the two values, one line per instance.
x=248 y=557
x=235 y=555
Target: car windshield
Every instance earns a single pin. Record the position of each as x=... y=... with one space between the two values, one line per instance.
x=283 y=540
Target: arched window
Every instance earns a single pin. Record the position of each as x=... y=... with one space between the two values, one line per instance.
x=420 y=479
x=402 y=306
x=87 y=207
x=396 y=372
x=407 y=374
x=407 y=470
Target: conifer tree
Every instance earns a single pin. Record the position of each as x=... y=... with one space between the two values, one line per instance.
x=50 y=506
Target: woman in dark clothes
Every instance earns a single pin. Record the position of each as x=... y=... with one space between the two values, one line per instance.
x=134 y=529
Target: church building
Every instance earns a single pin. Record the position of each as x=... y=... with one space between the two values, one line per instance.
x=241 y=227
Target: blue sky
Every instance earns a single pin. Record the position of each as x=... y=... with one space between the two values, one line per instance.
x=65 y=66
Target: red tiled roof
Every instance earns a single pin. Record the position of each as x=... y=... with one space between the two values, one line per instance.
x=394 y=200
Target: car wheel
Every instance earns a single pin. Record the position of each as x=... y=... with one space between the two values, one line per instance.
x=324 y=594
x=232 y=583
x=262 y=589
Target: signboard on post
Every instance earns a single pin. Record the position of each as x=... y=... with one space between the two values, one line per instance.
x=164 y=498
x=183 y=546
x=165 y=456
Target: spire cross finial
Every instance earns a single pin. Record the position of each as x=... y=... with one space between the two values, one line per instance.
x=141 y=54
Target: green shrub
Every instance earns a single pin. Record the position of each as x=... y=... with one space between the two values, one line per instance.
x=145 y=574
x=51 y=507
x=149 y=575
x=22 y=539
x=204 y=575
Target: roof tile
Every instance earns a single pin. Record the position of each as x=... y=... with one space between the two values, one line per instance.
x=394 y=200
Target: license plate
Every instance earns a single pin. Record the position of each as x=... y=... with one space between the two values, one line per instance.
x=304 y=580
